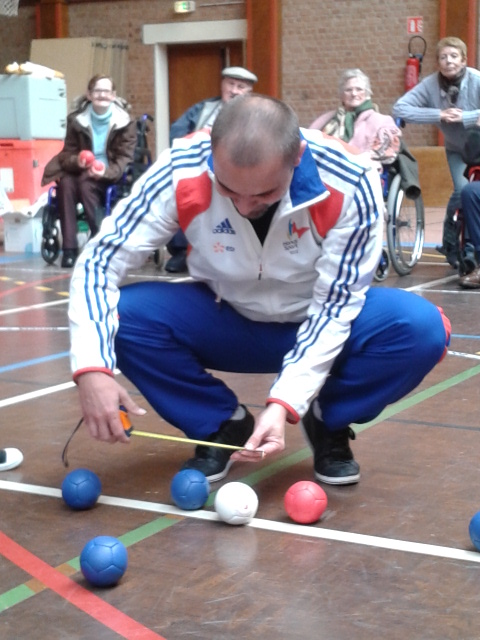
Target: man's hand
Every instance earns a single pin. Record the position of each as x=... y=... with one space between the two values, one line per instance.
x=268 y=434
x=451 y=115
x=100 y=399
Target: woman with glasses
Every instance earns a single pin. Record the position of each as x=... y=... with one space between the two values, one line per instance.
x=358 y=122
x=99 y=144
x=449 y=99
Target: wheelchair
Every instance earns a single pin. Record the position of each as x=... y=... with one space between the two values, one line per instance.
x=405 y=221
x=51 y=245
x=467 y=261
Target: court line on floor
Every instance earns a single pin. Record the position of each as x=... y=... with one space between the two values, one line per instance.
x=32 y=307
x=31 y=363
x=379 y=542
x=29 y=285
x=7 y=329
x=27 y=590
x=69 y=590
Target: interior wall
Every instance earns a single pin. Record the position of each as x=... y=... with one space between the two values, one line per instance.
x=318 y=41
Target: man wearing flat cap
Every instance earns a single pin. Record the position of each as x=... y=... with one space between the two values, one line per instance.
x=235 y=81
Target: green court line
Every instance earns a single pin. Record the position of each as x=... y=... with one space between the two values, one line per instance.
x=15 y=596
x=417 y=398
x=23 y=592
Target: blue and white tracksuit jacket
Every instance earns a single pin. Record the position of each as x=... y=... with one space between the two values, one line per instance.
x=314 y=268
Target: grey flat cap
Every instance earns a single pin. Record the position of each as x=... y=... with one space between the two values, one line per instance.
x=239 y=73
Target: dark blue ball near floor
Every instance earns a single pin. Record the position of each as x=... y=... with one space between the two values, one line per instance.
x=103 y=561
x=189 y=489
x=474 y=531
x=81 y=489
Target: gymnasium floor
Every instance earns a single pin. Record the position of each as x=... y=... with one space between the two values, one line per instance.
x=391 y=557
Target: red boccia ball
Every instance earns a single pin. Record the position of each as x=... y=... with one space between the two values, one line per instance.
x=86 y=158
x=98 y=166
x=305 y=502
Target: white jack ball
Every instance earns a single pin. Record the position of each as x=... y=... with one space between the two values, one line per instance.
x=236 y=503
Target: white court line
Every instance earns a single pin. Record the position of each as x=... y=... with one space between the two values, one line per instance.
x=36 y=394
x=268 y=525
x=433 y=283
x=33 y=328
x=461 y=354
x=41 y=392
x=7 y=312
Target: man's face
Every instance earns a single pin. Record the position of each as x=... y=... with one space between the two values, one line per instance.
x=450 y=62
x=252 y=189
x=231 y=87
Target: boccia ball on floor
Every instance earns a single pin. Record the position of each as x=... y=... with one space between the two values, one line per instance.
x=474 y=531
x=236 y=503
x=103 y=561
x=81 y=489
x=305 y=502
x=189 y=489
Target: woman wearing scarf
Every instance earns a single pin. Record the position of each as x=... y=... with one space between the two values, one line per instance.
x=449 y=99
x=358 y=122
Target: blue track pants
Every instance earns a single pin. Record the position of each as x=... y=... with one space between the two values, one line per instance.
x=171 y=334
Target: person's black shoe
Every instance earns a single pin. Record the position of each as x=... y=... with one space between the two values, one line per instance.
x=215 y=462
x=333 y=458
x=68 y=258
x=177 y=263
x=452 y=259
x=451 y=254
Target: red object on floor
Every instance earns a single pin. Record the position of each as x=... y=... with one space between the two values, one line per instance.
x=21 y=166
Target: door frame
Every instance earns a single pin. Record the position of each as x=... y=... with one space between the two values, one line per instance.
x=161 y=35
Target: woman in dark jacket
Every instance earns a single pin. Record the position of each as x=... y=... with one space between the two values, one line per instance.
x=99 y=144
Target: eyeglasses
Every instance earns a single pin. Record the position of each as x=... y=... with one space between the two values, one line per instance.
x=354 y=90
x=99 y=92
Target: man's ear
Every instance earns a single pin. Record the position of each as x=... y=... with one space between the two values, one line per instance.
x=303 y=146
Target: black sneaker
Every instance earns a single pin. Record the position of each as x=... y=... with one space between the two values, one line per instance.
x=333 y=458
x=177 y=263
x=215 y=462
x=69 y=257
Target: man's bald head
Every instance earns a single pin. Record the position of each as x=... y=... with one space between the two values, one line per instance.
x=252 y=128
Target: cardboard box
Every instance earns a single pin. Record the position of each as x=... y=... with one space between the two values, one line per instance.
x=22 y=163
x=22 y=234
x=32 y=107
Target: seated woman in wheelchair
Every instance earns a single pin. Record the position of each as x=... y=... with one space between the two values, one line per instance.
x=99 y=143
x=358 y=122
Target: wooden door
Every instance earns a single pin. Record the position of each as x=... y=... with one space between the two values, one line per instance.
x=194 y=72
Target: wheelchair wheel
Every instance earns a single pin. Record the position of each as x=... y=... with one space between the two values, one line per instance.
x=50 y=248
x=405 y=228
x=383 y=267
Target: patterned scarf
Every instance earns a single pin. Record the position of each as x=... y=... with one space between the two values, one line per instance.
x=342 y=123
x=451 y=86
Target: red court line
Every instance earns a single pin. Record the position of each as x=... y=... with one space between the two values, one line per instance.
x=28 y=285
x=75 y=594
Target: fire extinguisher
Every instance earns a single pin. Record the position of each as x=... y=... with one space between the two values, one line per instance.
x=414 y=64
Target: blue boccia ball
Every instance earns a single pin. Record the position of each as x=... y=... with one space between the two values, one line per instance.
x=103 y=561
x=81 y=489
x=189 y=489
x=474 y=531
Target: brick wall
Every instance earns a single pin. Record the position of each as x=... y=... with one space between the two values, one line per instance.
x=319 y=39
